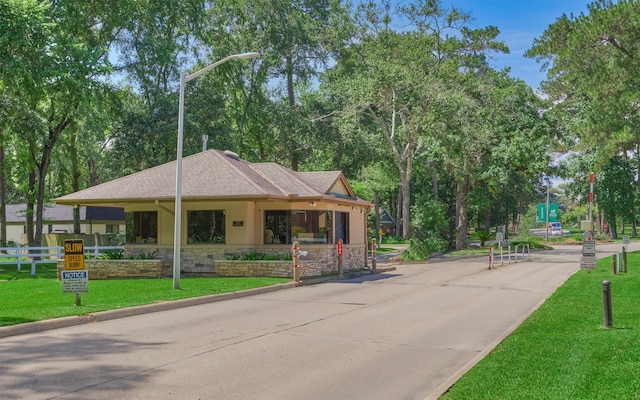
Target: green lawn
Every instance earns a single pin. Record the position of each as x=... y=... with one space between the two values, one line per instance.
x=563 y=350
x=24 y=298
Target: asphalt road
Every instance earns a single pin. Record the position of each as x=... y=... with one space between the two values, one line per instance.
x=405 y=334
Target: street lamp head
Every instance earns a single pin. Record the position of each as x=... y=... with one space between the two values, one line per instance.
x=196 y=74
x=249 y=55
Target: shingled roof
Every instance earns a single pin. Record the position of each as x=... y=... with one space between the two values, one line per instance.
x=16 y=213
x=214 y=174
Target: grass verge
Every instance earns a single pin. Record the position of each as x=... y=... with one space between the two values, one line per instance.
x=26 y=299
x=562 y=351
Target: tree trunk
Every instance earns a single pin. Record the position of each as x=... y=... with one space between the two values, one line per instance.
x=487 y=220
x=612 y=228
x=3 y=197
x=462 y=226
x=406 y=205
x=43 y=167
x=294 y=156
x=399 y=213
x=377 y=214
x=29 y=212
x=434 y=183
x=75 y=180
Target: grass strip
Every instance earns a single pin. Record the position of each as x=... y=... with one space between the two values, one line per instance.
x=26 y=299
x=562 y=351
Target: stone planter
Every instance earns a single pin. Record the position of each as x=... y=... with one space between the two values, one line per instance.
x=124 y=269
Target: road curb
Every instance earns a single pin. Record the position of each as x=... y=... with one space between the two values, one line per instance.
x=63 y=322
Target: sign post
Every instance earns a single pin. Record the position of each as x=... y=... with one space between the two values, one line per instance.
x=588 y=261
x=542 y=212
x=75 y=278
x=374 y=255
x=340 y=269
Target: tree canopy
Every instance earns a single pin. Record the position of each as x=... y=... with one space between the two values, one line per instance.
x=414 y=115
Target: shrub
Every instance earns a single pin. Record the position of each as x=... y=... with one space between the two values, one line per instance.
x=117 y=254
x=483 y=236
x=422 y=249
x=255 y=256
x=143 y=256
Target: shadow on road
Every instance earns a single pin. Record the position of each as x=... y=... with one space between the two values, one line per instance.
x=34 y=370
x=368 y=278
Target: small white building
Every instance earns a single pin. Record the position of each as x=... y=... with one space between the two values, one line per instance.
x=59 y=219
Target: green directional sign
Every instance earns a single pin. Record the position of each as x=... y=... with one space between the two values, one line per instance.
x=542 y=212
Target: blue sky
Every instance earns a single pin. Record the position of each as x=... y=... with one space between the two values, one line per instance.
x=520 y=22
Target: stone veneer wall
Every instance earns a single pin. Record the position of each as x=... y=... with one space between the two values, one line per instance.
x=107 y=269
x=320 y=259
x=210 y=260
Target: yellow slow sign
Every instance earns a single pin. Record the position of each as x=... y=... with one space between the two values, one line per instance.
x=74 y=254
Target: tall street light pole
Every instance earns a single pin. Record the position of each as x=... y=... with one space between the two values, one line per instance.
x=546 y=222
x=184 y=78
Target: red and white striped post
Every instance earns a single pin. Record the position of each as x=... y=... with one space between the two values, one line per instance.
x=296 y=258
x=340 y=266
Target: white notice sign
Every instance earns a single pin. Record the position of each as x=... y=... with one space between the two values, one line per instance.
x=588 y=263
x=589 y=248
x=75 y=281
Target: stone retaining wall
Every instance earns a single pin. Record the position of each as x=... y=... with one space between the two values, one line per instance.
x=280 y=269
x=124 y=269
x=203 y=261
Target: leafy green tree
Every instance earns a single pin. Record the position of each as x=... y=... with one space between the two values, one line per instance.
x=399 y=82
x=295 y=40
x=23 y=37
x=67 y=61
x=154 y=41
x=592 y=62
x=616 y=192
x=495 y=137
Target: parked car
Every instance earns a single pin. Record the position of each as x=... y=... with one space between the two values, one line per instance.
x=556 y=228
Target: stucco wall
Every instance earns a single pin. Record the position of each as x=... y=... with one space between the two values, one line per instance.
x=244 y=220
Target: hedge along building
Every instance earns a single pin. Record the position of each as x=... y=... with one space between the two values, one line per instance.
x=231 y=206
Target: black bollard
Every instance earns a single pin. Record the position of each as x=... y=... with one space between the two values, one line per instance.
x=606 y=301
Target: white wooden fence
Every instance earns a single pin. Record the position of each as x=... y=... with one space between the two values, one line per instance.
x=24 y=255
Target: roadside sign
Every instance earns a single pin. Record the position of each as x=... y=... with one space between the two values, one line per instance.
x=74 y=254
x=75 y=281
x=499 y=237
x=626 y=239
x=588 y=263
x=589 y=248
x=586 y=225
x=542 y=212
